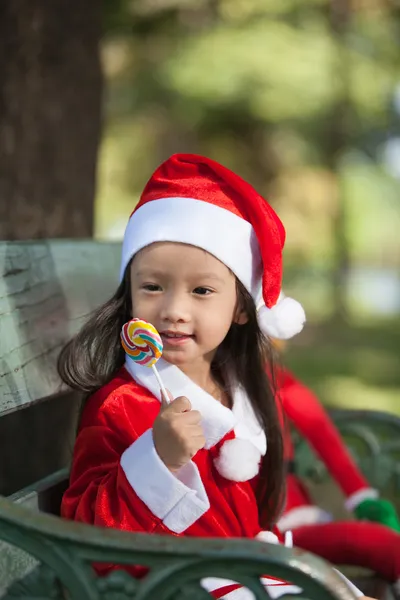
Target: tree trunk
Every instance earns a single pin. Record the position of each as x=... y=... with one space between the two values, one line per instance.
x=50 y=95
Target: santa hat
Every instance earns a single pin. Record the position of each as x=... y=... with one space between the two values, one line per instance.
x=194 y=200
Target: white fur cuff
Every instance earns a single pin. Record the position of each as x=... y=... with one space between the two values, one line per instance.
x=355 y=499
x=303 y=515
x=178 y=500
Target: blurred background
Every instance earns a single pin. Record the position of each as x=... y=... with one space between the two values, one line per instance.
x=300 y=97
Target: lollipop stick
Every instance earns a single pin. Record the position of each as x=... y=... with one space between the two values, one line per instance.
x=160 y=383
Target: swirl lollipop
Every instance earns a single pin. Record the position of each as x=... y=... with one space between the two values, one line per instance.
x=142 y=343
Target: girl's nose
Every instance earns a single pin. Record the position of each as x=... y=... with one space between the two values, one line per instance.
x=175 y=309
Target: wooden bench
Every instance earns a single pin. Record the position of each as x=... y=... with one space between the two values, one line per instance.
x=46 y=291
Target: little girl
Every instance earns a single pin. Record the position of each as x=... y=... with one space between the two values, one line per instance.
x=201 y=251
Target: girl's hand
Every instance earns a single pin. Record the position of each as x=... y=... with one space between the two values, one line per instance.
x=177 y=433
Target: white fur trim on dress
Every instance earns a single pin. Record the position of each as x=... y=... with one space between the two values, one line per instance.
x=282 y=321
x=355 y=499
x=220 y=232
x=238 y=460
x=247 y=426
x=274 y=587
x=178 y=500
x=303 y=515
x=217 y=420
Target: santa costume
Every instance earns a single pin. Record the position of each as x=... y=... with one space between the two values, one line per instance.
x=117 y=478
x=362 y=543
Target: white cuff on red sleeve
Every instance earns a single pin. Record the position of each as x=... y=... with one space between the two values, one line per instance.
x=179 y=500
x=355 y=499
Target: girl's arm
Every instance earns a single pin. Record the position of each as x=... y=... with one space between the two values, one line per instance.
x=118 y=479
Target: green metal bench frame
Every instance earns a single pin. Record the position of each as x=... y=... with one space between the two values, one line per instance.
x=373 y=439
x=67 y=550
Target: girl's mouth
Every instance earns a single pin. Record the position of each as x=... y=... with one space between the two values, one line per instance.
x=175 y=339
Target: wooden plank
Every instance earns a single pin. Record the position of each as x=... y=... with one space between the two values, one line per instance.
x=47 y=289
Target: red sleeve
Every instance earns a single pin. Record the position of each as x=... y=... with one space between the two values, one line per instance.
x=117 y=478
x=99 y=492
x=309 y=417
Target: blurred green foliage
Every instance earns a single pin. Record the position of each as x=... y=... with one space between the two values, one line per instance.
x=297 y=97
x=255 y=84
x=350 y=365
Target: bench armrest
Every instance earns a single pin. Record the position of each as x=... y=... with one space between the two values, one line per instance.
x=66 y=551
x=373 y=439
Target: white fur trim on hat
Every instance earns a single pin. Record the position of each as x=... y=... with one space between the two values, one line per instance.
x=238 y=460
x=220 y=232
x=282 y=321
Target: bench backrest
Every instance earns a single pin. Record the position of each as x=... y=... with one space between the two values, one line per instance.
x=47 y=289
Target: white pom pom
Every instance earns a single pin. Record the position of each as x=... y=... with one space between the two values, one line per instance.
x=282 y=321
x=238 y=460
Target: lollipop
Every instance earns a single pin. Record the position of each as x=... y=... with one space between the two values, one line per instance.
x=142 y=343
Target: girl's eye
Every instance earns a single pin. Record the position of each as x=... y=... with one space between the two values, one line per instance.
x=202 y=291
x=151 y=287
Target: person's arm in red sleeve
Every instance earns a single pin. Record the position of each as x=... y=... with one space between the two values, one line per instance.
x=308 y=416
x=118 y=480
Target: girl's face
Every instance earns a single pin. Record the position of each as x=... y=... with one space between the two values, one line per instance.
x=189 y=296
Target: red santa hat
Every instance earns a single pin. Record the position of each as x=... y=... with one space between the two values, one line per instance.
x=194 y=200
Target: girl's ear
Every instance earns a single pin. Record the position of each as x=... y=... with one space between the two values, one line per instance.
x=241 y=317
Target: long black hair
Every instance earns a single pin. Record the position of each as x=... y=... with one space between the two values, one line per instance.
x=93 y=357
x=249 y=354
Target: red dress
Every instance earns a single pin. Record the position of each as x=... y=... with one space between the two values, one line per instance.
x=118 y=480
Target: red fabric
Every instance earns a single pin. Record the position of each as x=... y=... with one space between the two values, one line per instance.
x=200 y=178
x=100 y=494
x=363 y=544
x=358 y=543
x=305 y=413
x=296 y=493
x=279 y=534
x=227 y=589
